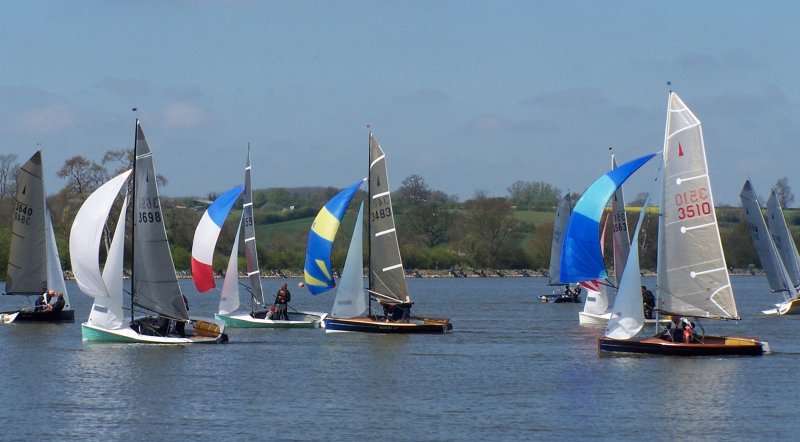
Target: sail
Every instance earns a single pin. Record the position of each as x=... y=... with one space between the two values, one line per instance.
x=107 y=312
x=619 y=228
x=55 y=274
x=351 y=301
x=627 y=315
x=765 y=247
x=250 y=254
x=563 y=211
x=693 y=277
x=318 y=273
x=581 y=258
x=783 y=238
x=205 y=238
x=155 y=286
x=86 y=235
x=387 y=280
x=596 y=297
x=26 y=273
x=229 y=295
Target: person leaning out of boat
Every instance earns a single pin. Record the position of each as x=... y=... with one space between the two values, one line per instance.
x=648 y=302
x=44 y=300
x=180 y=326
x=397 y=312
x=58 y=305
x=282 y=299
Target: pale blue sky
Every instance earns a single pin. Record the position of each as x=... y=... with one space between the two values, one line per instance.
x=470 y=95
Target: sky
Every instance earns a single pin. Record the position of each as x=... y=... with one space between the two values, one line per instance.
x=470 y=95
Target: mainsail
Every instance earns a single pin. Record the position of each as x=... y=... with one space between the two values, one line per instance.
x=627 y=314
x=581 y=258
x=250 y=254
x=351 y=301
x=765 y=248
x=26 y=273
x=387 y=281
x=783 y=238
x=155 y=286
x=318 y=272
x=563 y=211
x=692 y=274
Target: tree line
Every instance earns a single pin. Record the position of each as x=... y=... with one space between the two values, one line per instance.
x=435 y=230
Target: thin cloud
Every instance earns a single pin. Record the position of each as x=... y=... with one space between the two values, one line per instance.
x=51 y=118
x=182 y=115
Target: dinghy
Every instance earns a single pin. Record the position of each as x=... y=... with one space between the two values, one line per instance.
x=777 y=276
x=205 y=239
x=34 y=266
x=387 y=284
x=693 y=280
x=568 y=295
x=154 y=286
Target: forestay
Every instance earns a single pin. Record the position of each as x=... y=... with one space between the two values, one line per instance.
x=692 y=274
x=351 y=301
x=386 y=278
x=155 y=286
x=783 y=238
x=26 y=273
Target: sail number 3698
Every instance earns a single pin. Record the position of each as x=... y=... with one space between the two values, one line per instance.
x=693 y=203
x=149 y=217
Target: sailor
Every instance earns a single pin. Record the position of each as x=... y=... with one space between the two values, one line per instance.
x=58 y=305
x=180 y=326
x=43 y=300
x=648 y=303
x=282 y=299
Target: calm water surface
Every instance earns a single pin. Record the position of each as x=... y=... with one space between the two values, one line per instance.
x=513 y=369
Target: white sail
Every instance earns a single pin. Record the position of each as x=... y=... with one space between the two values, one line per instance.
x=250 y=254
x=55 y=274
x=783 y=238
x=85 y=236
x=563 y=210
x=229 y=295
x=765 y=247
x=596 y=298
x=107 y=312
x=693 y=277
x=351 y=300
x=627 y=315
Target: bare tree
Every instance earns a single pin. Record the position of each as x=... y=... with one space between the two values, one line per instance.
x=83 y=176
x=784 y=192
x=413 y=190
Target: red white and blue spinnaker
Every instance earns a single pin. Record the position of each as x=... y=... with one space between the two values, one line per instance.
x=205 y=238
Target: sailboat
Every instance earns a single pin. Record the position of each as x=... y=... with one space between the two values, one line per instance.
x=387 y=283
x=205 y=239
x=563 y=211
x=34 y=266
x=778 y=277
x=693 y=279
x=154 y=286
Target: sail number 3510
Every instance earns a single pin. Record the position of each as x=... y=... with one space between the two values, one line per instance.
x=693 y=203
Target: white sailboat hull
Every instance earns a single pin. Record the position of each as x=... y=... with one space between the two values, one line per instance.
x=601 y=320
x=296 y=320
x=90 y=332
x=790 y=307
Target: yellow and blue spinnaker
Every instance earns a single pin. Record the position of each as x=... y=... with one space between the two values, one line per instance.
x=318 y=274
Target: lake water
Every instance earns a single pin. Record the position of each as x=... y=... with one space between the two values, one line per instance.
x=513 y=369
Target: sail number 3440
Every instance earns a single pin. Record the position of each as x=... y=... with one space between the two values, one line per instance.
x=693 y=203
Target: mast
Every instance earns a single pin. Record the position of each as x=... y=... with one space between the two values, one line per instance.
x=369 y=229
x=133 y=216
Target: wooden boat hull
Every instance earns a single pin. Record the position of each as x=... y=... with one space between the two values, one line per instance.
x=368 y=325
x=296 y=320
x=201 y=332
x=30 y=316
x=790 y=307
x=712 y=346
x=593 y=320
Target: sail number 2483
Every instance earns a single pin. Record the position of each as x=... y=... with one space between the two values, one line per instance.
x=693 y=203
